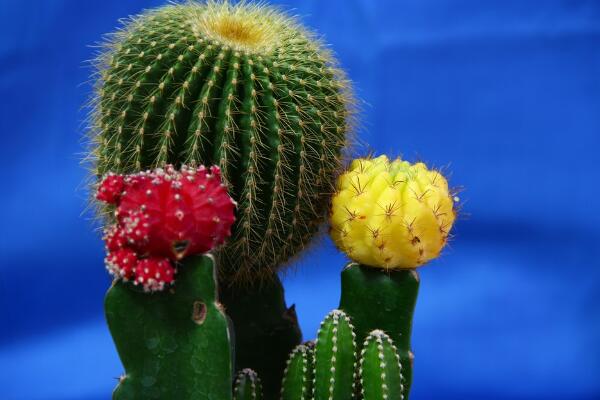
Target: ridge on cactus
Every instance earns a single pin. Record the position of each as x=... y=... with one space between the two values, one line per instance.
x=391 y=214
x=242 y=86
x=162 y=216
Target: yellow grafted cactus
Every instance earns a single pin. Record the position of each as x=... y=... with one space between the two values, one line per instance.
x=391 y=214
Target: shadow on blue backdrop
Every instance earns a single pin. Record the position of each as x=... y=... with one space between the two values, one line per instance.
x=505 y=94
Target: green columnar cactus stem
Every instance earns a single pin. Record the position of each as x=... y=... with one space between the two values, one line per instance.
x=335 y=358
x=385 y=300
x=265 y=329
x=240 y=86
x=173 y=344
x=380 y=369
x=247 y=386
x=298 y=374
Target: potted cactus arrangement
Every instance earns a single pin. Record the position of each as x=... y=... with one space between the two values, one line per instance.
x=219 y=151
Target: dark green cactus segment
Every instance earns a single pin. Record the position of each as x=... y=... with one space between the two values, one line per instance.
x=298 y=374
x=380 y=369
x=266 y=330
x=247 y=386
x=385 y=300
x=335 y=358
x=240 y=86
x=173 y=344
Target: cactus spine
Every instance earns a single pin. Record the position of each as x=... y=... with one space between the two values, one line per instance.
x=298 y=374
x=247 y=386
x=380 y=369
x=240 y=86
x=335 y=358
x=174 y=343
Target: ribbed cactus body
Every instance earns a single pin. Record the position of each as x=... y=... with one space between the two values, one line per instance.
x=298 y=375
x=380 y=369
x=335 y=358
x=239 y=86
x=247 y=386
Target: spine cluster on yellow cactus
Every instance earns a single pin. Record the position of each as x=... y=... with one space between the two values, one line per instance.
x=391 y=214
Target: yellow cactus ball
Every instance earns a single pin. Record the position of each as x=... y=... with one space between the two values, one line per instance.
x=391 y=214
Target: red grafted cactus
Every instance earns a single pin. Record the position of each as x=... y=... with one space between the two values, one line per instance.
x=163 y=215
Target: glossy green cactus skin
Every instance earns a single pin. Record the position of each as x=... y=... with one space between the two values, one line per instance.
x=335 y=358
x=247 y=386
x=298 y=375
x=385 y=300
x=174 y=343
x=380 y=370
x=266 y=330
x=274 y=118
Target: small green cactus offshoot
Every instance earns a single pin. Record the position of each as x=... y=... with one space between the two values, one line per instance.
x=335 y=358
x=380 y=370
x=336 y=373
x=298 y=374
x=247 y=386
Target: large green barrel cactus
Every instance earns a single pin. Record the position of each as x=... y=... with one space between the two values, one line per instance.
x=240 y=86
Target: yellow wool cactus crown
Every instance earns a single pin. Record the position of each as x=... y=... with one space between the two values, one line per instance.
x=391 y=214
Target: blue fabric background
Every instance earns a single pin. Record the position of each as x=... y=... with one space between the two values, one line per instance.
x=504 y=93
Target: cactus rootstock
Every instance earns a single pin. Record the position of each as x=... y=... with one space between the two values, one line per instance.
x=173 y=344
x=383 y=300
x=240 y=86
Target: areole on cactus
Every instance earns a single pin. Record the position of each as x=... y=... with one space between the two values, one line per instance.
x=241 y=86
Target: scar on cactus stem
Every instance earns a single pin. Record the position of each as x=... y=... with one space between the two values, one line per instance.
x=162 y=216
x=391 y=214
x=242 y=86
